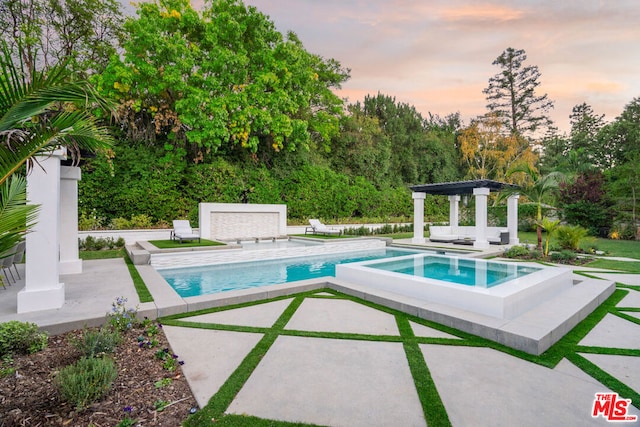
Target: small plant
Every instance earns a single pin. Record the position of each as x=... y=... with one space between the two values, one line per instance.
x=87 y=380
x=170 y=361
x=160 y=405
x=127 y=421
x=120 y=317
x=102 y=341
x=21 y=337
x=163 y=382
x=6 y=366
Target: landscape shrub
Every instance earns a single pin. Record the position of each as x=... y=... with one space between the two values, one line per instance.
x=97 y=342
x=87 y=380
x=21 y=337
x=120 y=223
x=91 y=243
x=570 y=236
x=516 y=252
x=141 y=221
x=564 y=255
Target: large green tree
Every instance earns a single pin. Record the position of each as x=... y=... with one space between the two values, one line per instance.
x=585 y=126
x=221 y=80
x=511 y=94
x=420 y=151
x=81 y=33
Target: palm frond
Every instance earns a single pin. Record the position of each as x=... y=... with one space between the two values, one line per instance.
x=16 y=216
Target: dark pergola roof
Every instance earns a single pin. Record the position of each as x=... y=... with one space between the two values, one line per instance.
x=460 y=187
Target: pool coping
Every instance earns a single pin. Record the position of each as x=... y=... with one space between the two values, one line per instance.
x=532 y=332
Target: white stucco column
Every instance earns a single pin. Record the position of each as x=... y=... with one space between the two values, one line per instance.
x=481 y=195
x=512 y=219
x=70 y=262
x=454 y=212
x=42 y=290
x=418 y=217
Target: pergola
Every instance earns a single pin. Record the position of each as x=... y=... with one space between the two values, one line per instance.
x=480 y=188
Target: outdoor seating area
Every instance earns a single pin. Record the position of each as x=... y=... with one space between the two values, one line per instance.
x=467 y=234
x=316 y=227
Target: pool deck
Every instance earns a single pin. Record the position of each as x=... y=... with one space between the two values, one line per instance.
x=362 y=381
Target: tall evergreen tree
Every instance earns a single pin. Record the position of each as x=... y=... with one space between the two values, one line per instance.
x=511 y=94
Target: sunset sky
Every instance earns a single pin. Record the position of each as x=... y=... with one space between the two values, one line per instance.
x=437 y=55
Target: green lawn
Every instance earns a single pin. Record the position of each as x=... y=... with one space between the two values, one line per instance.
x=609 y=264
x=618 y=248
x=173 y=244
x=110 y=253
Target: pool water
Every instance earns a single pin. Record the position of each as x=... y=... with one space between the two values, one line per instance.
x=195 y=281
x=462 y=271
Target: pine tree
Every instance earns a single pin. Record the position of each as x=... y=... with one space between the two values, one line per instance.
x=511 y=95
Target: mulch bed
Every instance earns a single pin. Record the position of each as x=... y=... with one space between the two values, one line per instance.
x=30 y=397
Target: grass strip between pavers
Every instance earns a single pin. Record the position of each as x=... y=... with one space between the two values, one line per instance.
x=141 y=288
x=174 y=244
x=434 y=411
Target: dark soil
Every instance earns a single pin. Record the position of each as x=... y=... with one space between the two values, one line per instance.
x=29 y=395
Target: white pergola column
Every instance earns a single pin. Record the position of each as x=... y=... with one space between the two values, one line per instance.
x=481 y=195
x=418 y=217
x=70 y=262
x=42 y=290
x=512 y=219
x=454 y=212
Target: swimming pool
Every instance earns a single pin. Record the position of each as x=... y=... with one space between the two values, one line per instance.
x=500 y=289
x=204 y=280
x=462 y=271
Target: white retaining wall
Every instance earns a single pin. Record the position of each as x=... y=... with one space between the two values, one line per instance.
x=192 y=259
x=227 y=221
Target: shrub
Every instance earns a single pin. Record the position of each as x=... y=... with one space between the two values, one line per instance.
x=20 y=337
x=516 y=252
x=87 y=380
x=120 y=223
x=98 y=342
x=141 y=221
x=89 y=243
x=570 y=236
x=563 y=256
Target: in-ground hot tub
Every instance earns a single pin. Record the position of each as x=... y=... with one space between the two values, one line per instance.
x=499 y=289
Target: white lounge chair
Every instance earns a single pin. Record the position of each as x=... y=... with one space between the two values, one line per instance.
x=182 y=231
x=316 y=227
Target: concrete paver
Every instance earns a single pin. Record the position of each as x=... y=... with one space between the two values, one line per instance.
x=631 y=300
x=263 y=315
x=427 y=332
x=627 y=279
x=624 y=368
x=210 y=356
x=332 y=382
x=332 y=315
x=483 y=387
x=613 y=332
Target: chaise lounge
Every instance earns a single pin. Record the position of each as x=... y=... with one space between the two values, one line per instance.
x=182 y=231
x=316 y=227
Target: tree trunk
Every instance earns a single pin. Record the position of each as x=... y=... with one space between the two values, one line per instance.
x=539 y=230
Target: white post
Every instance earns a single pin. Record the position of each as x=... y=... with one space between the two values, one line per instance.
x=42 y=290
x=70 y=262
x=454 y=213
x=481 y=195
x=418 y=217
x=512 y=219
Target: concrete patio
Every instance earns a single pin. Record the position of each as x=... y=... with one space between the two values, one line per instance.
x=359 y=381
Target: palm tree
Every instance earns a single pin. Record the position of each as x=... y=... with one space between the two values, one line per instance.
x=37 y=116
x=538 y=191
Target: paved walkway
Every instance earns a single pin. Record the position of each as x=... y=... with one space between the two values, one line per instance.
x=329 y=359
